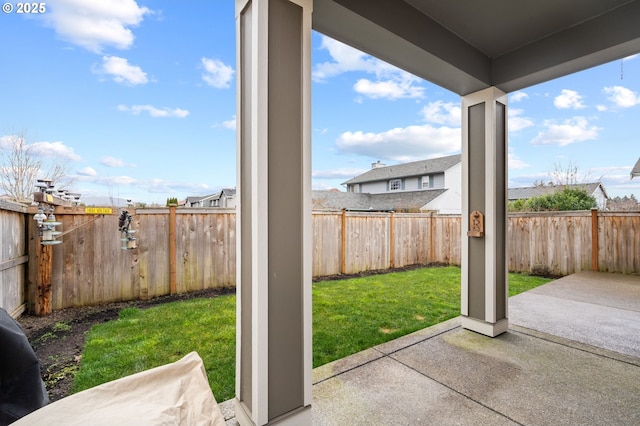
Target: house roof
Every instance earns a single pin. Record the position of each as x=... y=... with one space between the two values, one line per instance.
x=404 y=200
x=229 y=192
x=536 y=191
x=415 y=168
x=636 y=169
x=195 y=199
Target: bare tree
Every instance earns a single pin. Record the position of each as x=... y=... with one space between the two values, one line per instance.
x=570 y=174
x=21 y=165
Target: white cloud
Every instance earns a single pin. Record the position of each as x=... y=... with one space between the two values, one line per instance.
x=112 y=162
x=568 y=99
x=322 y=186
x=55 y=150
x=344 y=59
x=217 y=74
x=153 y=111
x=89 y=176
x=440 y=112
x=43 y=149
x=601 y=108
x=402 y=144
x=516 y=122
x=88 y=171
x=95 y=24
x=576 y=129
x=390 y=82
x=337 y=173
x=227 y=124
x=162 y=186
x=121 y=71
x=514 y=161
x=7 y=141
x=230 y=124
x=124 y=180
x=388 y=89
x=518 y=96
x=621 y=96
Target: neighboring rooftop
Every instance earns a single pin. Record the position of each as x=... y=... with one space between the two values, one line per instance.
x=396 y=201
x=416 y=168
x=229 y=192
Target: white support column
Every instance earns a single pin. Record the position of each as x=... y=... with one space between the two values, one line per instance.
x=484 y=189
x=273 y=355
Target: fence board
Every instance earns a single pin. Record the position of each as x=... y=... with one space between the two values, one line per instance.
x=327 y=243
x=619 y=244
x=557 y=243
x=447 y=232
x=412 y=234
x=153 y=244
x=13 y=249
x=367 y=242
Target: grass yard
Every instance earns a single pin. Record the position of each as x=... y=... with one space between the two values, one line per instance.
x=348 y=316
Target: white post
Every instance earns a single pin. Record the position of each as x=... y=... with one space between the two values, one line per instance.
x=484 y=190
x=273 y=360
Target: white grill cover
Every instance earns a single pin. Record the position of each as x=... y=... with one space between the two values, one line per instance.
x=173 y=394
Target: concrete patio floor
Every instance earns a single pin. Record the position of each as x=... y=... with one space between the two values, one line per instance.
x=571 y=357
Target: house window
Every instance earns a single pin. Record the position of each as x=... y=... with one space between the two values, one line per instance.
x=425 y=182
x=395 y=184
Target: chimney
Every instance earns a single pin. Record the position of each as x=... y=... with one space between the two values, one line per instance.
x=377 y=164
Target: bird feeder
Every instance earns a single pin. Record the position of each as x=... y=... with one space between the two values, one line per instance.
x=47 y=227
x=127 y=236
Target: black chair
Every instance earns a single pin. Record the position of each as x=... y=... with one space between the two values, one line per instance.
x=21 y=387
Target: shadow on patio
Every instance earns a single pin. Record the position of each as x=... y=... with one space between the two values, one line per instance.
x=571 y=356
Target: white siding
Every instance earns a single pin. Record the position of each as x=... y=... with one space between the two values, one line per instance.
x=374 y=187
x=451 y=201
x=453 y=179
x=600 y=198
x=439 y=181
x=412 y=183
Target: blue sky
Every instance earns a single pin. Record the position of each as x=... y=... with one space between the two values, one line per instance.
x=138 y=98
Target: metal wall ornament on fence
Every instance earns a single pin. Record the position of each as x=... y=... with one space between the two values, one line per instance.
x=186 y=250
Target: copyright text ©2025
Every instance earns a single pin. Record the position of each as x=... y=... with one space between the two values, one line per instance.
x=25 y=8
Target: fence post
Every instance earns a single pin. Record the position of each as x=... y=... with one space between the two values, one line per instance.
x=432 y=242
x=594 y=239
x=172 y=248
x=392 y=245
x=343 y=263
x=44 y=268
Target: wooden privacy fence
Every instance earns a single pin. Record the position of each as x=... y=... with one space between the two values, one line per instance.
x=552 y=243
x=178 y=251
x=182 y=250
x=561 y=243
x=352 y=242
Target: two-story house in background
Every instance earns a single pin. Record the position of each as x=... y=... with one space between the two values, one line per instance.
x=226 y=198
x=428 y=185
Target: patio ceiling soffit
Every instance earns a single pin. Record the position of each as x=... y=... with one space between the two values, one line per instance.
x=511 y=45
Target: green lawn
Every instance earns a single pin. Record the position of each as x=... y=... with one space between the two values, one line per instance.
x=348 y=316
